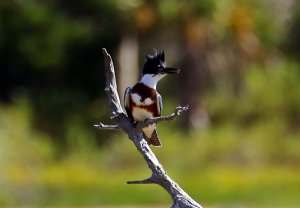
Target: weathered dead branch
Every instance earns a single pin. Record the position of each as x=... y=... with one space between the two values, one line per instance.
x=159 y=176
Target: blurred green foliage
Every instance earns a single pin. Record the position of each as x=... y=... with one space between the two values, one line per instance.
x=269 y=93
x=51 y=93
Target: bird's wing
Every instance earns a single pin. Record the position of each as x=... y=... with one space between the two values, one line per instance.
x=159 y=104
x=126 y=102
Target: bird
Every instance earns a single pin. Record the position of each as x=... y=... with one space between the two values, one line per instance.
x=142 y=101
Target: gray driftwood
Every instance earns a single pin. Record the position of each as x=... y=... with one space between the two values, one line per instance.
x=159 y=175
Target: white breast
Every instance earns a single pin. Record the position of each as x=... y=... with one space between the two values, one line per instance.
x=137 y=100
x=140 y=114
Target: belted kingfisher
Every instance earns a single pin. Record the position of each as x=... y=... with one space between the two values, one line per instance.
x=142 y=101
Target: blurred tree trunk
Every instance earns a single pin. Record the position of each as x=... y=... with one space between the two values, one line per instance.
x=127 y=62
x=196 y=75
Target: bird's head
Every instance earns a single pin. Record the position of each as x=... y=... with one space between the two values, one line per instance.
x=156 y=65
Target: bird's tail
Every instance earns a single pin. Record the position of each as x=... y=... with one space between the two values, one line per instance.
x=154 y=139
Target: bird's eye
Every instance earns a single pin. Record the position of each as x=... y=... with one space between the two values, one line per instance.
x=160 y=67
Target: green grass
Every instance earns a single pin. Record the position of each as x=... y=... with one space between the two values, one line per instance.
x=82 y=185
x=228 y=166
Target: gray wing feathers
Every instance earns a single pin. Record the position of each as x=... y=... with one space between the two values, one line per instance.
x=159 y=103
x=126 y=97
x=126 y=102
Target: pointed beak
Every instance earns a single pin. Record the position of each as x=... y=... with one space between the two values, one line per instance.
x=170 y=70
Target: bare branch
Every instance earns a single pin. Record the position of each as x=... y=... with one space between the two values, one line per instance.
x=146 y=122
x=107 y=127
x=111 y=86
x=159 y=176
x=146 y=181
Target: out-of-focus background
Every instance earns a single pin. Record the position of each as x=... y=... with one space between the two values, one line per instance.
x=239 y=144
